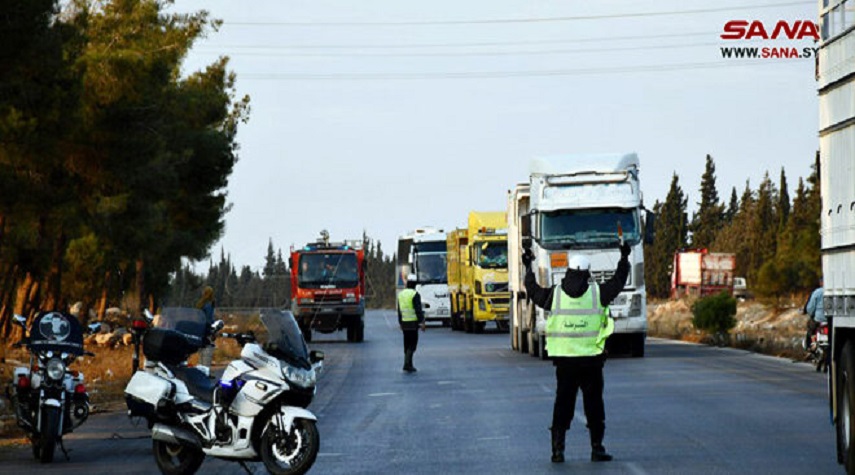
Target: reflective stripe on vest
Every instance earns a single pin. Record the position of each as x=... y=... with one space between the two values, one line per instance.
x=577 y=326
x=405 y=305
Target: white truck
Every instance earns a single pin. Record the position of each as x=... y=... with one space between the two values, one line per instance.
x=836 y=84
x=423 y=252
x=572 y=204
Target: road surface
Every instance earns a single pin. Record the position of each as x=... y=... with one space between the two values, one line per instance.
x=476 y=407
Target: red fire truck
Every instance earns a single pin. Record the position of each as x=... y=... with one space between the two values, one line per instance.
x=328 y=287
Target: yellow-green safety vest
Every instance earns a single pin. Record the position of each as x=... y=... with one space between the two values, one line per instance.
x=405 y=305
x=578 y=326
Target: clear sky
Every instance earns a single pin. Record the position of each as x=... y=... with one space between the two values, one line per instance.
x=383 y=115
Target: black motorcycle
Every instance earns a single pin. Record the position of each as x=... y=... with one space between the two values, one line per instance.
x=49 y=399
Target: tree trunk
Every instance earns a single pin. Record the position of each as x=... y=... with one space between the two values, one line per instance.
x=53 y=287
x=105 y=289
x=140 y=268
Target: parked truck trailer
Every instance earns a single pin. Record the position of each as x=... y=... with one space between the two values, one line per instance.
x=575 y=204
x=836 y=84
x=699 y=273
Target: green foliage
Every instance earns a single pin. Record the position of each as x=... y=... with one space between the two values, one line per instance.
x=671 y=231
x=710 y=215
x=715 y=313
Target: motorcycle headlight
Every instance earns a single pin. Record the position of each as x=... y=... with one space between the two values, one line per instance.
x=55 y=369
x=304 y=378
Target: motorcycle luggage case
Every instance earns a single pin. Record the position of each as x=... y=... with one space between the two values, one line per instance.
x=167 y=346
x=145 y=391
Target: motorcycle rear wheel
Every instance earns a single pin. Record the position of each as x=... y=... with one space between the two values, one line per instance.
x=292 y=453
x=176 y=459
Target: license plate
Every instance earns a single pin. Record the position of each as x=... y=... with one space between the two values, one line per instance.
x=442 y=311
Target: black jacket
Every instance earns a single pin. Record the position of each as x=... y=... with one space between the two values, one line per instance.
x=420 y=314
x=575 y=284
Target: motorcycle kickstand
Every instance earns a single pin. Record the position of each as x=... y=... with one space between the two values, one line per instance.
x=65 y=452
x=243 y=464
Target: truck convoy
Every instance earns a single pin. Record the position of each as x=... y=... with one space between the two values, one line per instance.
x=836 y=84
x=422 y=252
x=328 y=287
x=478 y=272
x=700 y=273
x=576 y=204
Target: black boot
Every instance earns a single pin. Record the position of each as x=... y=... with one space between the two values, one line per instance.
x=558 y=437
x=599 y=454
x=408 y=362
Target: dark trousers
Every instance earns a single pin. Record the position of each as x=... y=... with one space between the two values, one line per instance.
x=411 y=339
x=570 y=380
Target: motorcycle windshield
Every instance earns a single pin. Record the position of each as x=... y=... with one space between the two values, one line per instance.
x=190 y=322
x=284 y=338
x=58 y=332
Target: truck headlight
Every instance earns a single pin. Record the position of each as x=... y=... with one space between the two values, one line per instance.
x=638 y=275
x=481 y=305
x=55 y=369
x=305 y=378
x=635 y=305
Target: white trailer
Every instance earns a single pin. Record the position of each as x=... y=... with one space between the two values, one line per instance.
x=423 y=252
x=836 y=83
x=572 y=205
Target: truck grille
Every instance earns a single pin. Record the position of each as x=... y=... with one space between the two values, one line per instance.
x=602 y=276
x=328 y=298
x=500 y=301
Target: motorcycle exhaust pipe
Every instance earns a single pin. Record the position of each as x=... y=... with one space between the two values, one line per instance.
x=174 y=435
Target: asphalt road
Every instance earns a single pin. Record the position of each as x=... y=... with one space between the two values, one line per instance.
x=475 y=406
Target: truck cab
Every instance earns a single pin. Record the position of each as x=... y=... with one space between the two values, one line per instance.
x=423 y=252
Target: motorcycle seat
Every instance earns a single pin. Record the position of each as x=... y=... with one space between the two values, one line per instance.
x=198 y=383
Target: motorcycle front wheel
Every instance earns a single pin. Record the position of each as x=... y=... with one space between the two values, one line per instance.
x=177 y=459
x=48 y=437
x=290 y=453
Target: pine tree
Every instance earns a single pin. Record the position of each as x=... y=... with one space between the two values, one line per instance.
x=783 y=202
x=732 y=208
x=708 y=219
x=671 y=233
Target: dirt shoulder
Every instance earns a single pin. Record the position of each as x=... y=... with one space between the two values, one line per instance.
x=760 y=328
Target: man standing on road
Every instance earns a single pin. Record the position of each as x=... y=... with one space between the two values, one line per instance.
x=576 y=333
x=410 y=317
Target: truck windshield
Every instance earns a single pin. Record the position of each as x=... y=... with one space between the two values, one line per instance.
x=338 y=269
x=431 y=267
x=590 y=228
x=491 y=255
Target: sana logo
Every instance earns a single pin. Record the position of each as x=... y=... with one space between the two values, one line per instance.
x=54 y=326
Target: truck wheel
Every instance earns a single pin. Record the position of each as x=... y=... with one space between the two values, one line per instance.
x=637 y=345
x=542 y=352
x=351 y=330
x=468 y=323
x=359 y=335
x=533 y=344
x=479 y=326
x=307 y=333
x=523 y=340
x=845 y=423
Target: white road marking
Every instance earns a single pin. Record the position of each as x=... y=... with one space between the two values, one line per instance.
x=635 y=469
x=441 y=383
x=504 y=437
x=382 y=394
x=545 y=389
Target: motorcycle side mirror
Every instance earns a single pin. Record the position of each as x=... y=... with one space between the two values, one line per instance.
x=21 y=320
x=147 y=314
x=217 y=326
x=94 y=327
x=316 y=356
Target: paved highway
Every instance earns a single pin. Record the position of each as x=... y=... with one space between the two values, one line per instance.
x=475 y=406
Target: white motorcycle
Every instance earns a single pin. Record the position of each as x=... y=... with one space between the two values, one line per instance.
x=254 y=412
x=50 y=400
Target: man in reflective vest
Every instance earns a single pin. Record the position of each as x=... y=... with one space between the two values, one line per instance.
x=576 y=332
x=410 y=317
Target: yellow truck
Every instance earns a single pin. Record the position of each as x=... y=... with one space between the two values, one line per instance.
x=478 y=272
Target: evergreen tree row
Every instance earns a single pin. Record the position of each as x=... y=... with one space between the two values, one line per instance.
x=775 y=238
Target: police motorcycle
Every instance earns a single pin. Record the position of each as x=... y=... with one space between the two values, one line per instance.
x=49 y=399
x=255 y=412
x=817 y=350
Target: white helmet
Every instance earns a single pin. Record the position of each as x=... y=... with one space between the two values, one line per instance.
x=579 y=262
x=412 y=278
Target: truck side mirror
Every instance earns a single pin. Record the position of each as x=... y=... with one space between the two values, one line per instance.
x=290 y=262
x=649 y=228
